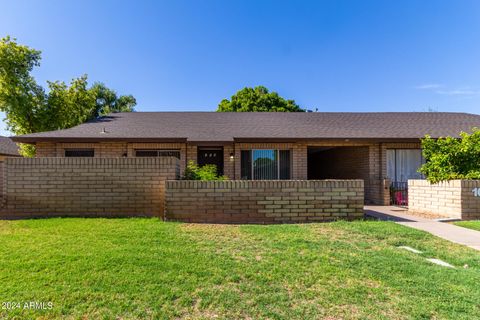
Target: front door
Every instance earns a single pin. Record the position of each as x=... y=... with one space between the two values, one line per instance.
x=211 y=155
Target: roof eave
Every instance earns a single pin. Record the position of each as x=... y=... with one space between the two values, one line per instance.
x=346 y=139
x=34 y=140
x=9 y=154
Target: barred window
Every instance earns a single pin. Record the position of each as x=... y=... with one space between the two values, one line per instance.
x=81 y=153
x=158 y=153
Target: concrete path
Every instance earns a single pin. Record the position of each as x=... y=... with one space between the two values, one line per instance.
x=467 y=237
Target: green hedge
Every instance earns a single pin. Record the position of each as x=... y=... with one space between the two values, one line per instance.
x=452 y=158
x=207 y=172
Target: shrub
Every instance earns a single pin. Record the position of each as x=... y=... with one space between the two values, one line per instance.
x=451 y=158
x=206 y=173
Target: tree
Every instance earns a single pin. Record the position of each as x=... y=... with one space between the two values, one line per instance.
x=29 y=108
x=257 y=99
x=451 y=158
x=107 y=101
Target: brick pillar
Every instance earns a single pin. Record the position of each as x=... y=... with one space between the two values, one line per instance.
x=228 y=163
x=300 y=157
x=374 y=186
x=191 y=153
x=386 y=192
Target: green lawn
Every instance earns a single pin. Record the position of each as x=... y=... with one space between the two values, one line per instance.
x=145 y=268
x=474 y=224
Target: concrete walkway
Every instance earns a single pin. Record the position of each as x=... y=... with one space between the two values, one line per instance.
x=467 y=237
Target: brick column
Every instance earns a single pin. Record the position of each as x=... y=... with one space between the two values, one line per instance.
x=374 y=186
x=228 y=163
x=299 y=163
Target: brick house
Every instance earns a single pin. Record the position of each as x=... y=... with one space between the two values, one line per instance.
x=374 y=147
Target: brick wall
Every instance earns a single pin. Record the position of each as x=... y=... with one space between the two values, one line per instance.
x=2 y=180
x=2 y=172
x=376 y=190
x=86 y=186
x=450 y=199
x=46 y=149
x=263 y=201
x=109 y=149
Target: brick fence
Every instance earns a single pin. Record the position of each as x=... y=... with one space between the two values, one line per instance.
x=454 y=198
x=85 y=186
x=264 y=201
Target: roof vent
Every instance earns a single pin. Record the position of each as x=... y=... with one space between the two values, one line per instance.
x=103 y=130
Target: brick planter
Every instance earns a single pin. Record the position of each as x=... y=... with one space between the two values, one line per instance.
x=264 y=201
x=454 y=198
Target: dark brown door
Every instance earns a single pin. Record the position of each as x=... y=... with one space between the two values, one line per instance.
x=211 y=155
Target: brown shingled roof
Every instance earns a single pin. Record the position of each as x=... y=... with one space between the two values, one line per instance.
x=8 y=147
x=218 y=126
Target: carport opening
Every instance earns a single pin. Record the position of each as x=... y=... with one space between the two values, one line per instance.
x=338 y=163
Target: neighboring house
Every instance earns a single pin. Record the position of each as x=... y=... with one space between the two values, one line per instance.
x=368 y=146
x=8 y=148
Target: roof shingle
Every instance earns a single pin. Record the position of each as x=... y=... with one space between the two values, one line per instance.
x=218 y=126
x=8 y=147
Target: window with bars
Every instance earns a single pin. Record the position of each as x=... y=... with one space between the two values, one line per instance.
x=265 y=164
x=81 y=153
x=158 y=153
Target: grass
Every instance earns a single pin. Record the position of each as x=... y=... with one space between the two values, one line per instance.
x=145 y=268
x=473 y=224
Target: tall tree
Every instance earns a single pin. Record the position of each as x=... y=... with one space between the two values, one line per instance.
x=257 y=99
x=29 y=108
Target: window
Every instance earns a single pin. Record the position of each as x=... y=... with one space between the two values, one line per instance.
x=265 y=164
x=82 y=153
x=403 y=164
x=158 y=153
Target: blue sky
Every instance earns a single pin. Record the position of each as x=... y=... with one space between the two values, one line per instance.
x=331 y=55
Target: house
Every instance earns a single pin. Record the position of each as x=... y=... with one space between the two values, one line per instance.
x=8 y=148
x=267 y=146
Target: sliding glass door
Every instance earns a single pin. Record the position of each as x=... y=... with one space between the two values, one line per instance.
x=265 y=164
x=403 y=164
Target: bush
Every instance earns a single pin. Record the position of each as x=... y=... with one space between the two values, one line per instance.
x=206 y=173
x=451 y=158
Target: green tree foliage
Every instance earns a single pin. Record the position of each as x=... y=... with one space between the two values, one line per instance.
x=29 y=108
x=206 y=173
x=257 y=99
x=451 y=158
x=20 y=96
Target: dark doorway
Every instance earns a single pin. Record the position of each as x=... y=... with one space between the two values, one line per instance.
x=211 y=155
